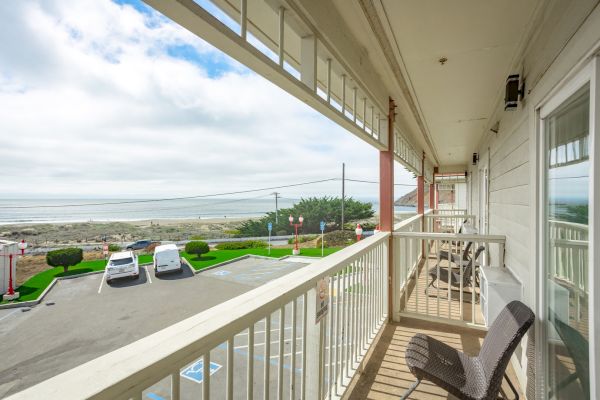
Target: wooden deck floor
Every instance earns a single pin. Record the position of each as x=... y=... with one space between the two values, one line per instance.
x=439 y=302
x=386 y=375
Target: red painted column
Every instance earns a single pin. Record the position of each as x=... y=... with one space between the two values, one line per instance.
x=386 y=199
x=437 y=197
x=432 y=195
x=386 y=177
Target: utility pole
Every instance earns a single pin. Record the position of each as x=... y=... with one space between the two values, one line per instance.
x=276 y=207
x=343 y=191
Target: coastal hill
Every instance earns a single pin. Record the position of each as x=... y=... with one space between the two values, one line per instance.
x=410 y=198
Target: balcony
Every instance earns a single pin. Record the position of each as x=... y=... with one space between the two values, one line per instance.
x=316 y=346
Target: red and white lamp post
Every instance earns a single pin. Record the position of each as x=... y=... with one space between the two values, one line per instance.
x=358 y=231
x=10 y=292
x=296 y=250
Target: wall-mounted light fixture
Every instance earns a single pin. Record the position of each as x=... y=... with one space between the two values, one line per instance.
x=475 y=158
x=515 y=92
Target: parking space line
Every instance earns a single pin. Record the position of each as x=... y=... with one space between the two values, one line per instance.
x=8 y=315
x=148 y=274
x=102 y=281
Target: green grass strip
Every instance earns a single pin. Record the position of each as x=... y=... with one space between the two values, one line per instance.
x=34 y=286
x=218 y=256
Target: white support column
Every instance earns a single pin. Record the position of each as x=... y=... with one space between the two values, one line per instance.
x=308 y=65
x=281 y=36
x=243 y=18
x=314 y=349
x=354 y=99
x=328 y=80
x=344 y=94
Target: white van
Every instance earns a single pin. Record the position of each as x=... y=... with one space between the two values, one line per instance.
x=121 y=265
x=166 y=258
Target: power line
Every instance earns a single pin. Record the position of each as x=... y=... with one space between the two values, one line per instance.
x=375 y=182
x=169 y=198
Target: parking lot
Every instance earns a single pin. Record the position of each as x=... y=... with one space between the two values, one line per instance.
x=83 y=318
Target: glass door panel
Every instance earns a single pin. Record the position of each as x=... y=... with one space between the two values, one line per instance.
x=567 y=171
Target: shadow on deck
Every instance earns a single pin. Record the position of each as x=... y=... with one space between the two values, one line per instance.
x=386 y=375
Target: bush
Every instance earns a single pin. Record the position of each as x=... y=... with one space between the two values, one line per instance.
x=197 y=247
x=302 y=239
x=366 y=226
x=197 y=237
x=232 y=232
x=337 y=238
x=314 y=210
x=248 y=244
x=64 y=257
x=114 y=247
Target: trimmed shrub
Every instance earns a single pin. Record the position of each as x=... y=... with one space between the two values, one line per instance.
x=197 y=248
x=248 y=244
x=64 y=257
x=302 y=239
x=114 y=247
x=337 y=238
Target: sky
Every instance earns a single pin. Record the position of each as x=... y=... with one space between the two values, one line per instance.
x=105 y=99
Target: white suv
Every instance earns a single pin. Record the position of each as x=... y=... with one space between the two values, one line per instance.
x=121 y=265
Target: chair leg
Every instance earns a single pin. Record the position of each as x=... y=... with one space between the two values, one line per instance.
x=512 y=387
x=410 y=389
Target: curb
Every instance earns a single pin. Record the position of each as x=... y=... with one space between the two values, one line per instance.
x=30 y=303
x=243 y=258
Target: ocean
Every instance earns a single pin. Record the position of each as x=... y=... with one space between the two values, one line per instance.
x=21 y=211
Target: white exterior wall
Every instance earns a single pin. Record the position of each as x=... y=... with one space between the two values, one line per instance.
x=568 y=32
x=7 y=248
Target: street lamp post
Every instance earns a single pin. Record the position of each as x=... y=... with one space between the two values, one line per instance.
x=10 y=293
x=296 y=250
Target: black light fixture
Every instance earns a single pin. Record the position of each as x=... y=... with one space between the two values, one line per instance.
x=513 y=93
x=475 y=158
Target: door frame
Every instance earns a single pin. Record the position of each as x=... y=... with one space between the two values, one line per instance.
x=588 y=72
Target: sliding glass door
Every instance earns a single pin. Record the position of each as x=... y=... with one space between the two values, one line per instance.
x=566 y=285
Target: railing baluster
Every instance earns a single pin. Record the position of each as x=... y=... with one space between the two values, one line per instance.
x=281 y=352
x=267 y=377
x=426 y=272
x=206 y=376
x=230 y=367
x=175 y=384
x=437 y=291
x=337 y=366
x=293 y=356
x=330 y=326
x=304 y=319
x=250 y=361
x=346 y=326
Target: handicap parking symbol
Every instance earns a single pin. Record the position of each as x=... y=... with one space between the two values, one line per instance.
x=195 y=371
x=221 y=273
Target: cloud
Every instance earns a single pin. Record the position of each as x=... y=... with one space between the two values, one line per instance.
x=114 y=100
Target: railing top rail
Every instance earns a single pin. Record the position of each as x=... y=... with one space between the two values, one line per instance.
x=450 y=216
x=146 y=361
x=569 y=224
x=452 y=236
x=570 y=243
x=407 y=222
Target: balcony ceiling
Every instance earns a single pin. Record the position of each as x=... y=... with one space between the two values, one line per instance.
x=480 y=40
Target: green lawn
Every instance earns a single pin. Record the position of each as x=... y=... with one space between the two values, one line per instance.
x=219 y=256
x=34 y=286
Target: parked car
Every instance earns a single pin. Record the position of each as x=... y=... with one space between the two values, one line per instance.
x=166 y=258
x=121 y=265
x=139 y=245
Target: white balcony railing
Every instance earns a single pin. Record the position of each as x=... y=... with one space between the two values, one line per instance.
x=421 y=262
x=321 y=357
x=569 y=259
